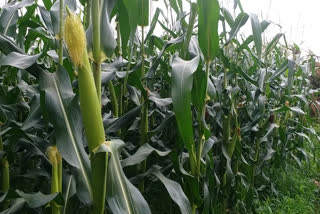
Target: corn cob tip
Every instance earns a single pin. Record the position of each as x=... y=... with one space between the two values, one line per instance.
x=54 y=155
x=286 y=103
x=75 y=37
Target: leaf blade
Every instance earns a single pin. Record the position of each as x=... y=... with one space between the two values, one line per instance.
x=122 y=196
x=182 y=78
x=257 y=31
x=209 y=13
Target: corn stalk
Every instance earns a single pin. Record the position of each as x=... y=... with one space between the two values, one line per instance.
x=5 y=183
x=90 y=106
x=56 y=175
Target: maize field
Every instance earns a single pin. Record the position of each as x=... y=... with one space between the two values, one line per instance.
x=101 y=113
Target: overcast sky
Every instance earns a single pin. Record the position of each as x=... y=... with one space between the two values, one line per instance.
x=299 y=20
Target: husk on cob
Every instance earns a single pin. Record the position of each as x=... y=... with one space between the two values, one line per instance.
x=75 y=39
x=56 y=175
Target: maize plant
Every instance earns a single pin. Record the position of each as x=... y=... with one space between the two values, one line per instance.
x=119 y=106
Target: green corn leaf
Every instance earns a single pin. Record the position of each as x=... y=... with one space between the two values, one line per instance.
x=264 y=25
x=124 y=120
x=173 y=34
x=122 y=196
x=297 y=110
x=9 y=16
x=167 y=120
x=17 y=205
x=182 y=80
x=63 y=110
x=156 y=62
x=153 y=24
x=45 y=15
x=241 y=20
x=141 y=154
x=274 y=42
x=294 y=109
x=54 y=15
x=134 y=12
x=69 y=191
x=18 y=60
x=47 y=4
x=143 y=12
x=39 y=199
x=257 y=31
x=33 y=200
x=175 y=191
x=269 y=131
x=246 y=76
x=291 y=71
x=199 y=89
x=180 y=4
x=7 y=47
x=261 y=79
x=132 y=8
x=125 y=27
x=269 y=155
x=174 y=5
x=107 y=40
x=227 y=16
x=284 y=66
x=209 y=12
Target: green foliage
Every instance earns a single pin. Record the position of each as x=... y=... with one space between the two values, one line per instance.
x=196 y=120
x=296 y=192
x=182 y=76
x=209 y=12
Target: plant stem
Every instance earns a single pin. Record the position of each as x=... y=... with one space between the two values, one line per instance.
x=96 y=30
x=56 y=161
x=193 y=161
x=96 y=46
x=145 y=107
x=88 y=16
x=194 y=209
x=226 y=138
x=99 y=162
x=123 y=86
x=60 y=51
x=99 y=165
x=144 y=113
x=201 y=128
x=121 y=98
x=56 y=182
x=225 y=79
x=1 y=143
x=192 y=19
x=97 y=79
x=201 y=143
x=114 y=101
x=263 y=127
x=4 y=164
x=5 y=175
x=256 y=156
x=59 y=161
x=91 y=115
x=123 y=101
x=119 y=38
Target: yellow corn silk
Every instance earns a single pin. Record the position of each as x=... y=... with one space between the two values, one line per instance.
x=52 y=153
x=75 y=38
